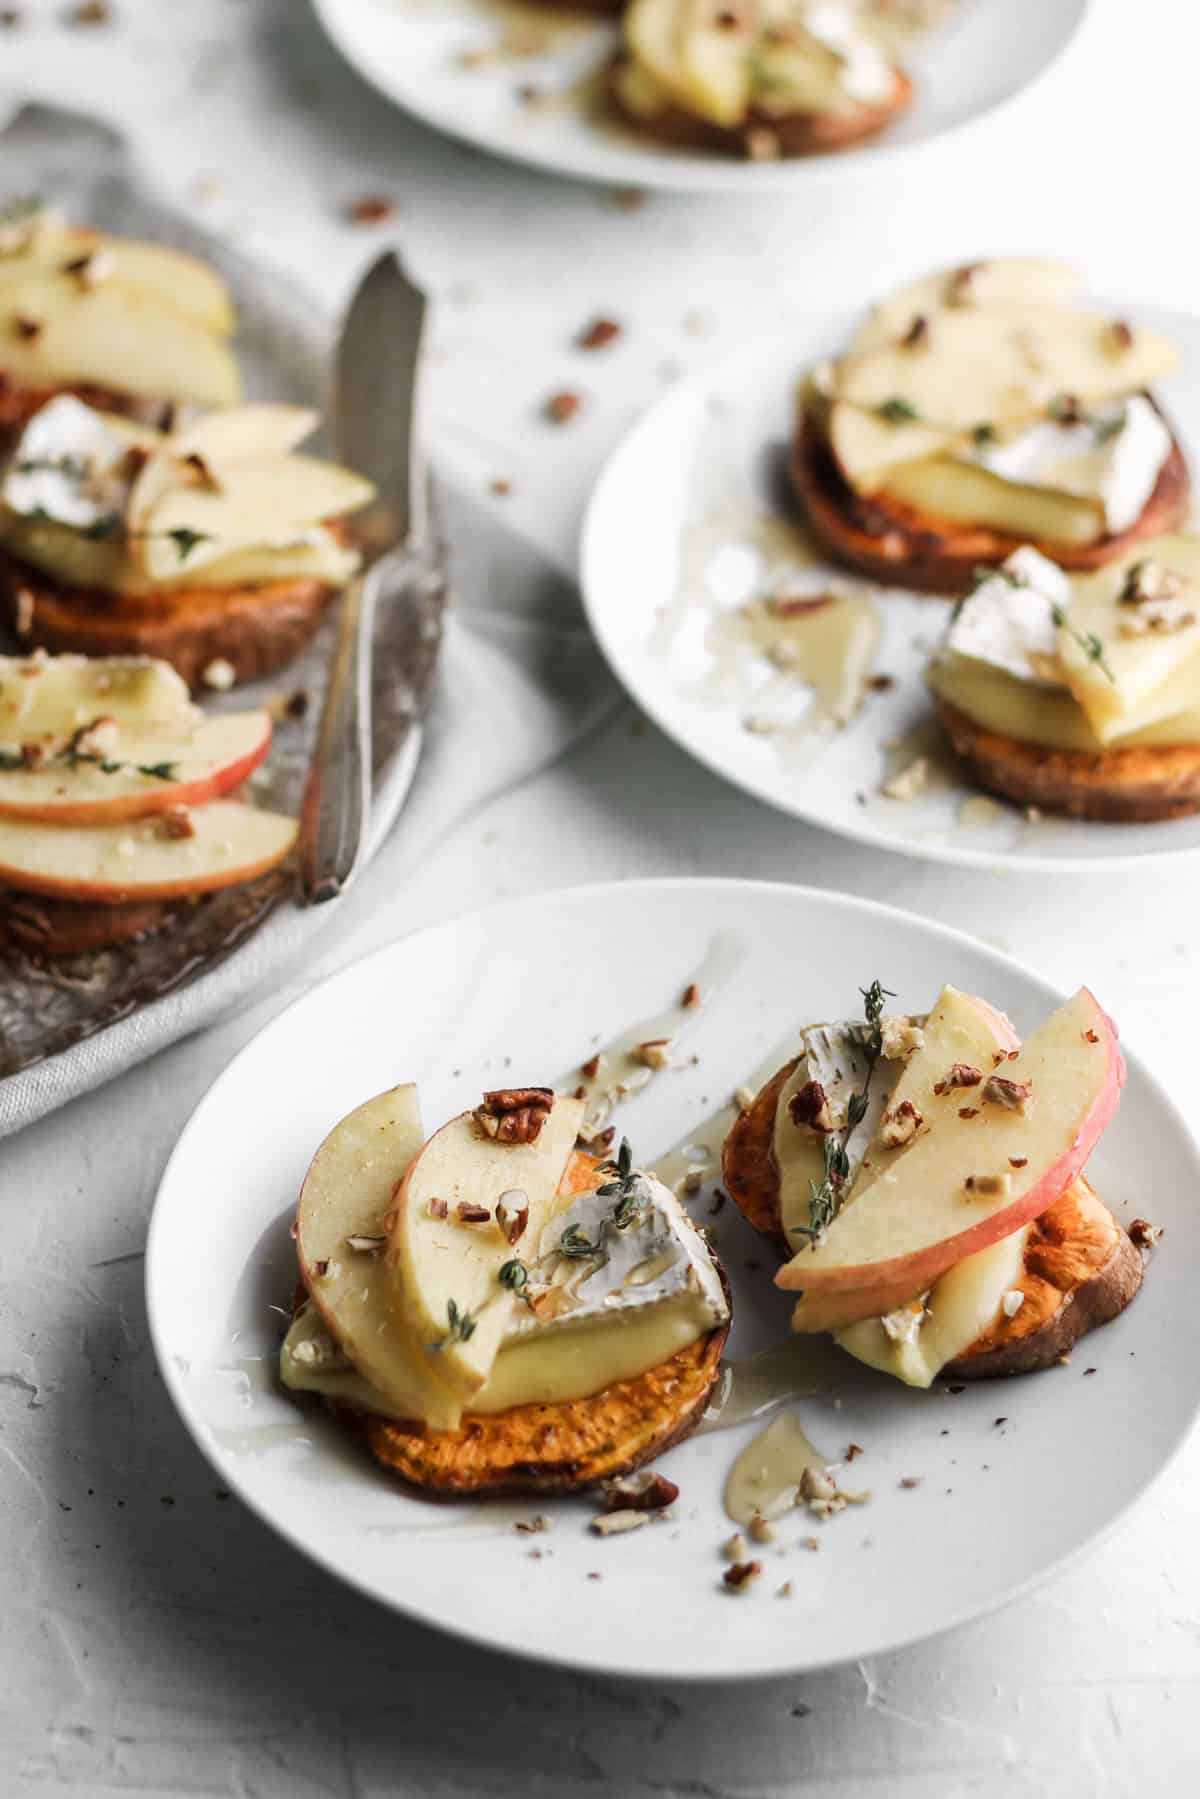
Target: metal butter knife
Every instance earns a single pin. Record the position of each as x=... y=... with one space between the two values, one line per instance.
x=374 y=423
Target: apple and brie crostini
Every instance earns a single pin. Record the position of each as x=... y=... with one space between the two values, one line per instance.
x=984 y=408
x=493 y=1310
x=923 y=1180
x=757 y=78
x=1080 y=695
x=116 y=800
x=131 y=327
x=215 y=547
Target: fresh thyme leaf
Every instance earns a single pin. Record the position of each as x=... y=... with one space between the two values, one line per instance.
x=984 y=433
x=107 y=526
x=825 y=1195
x=513 y=1274
x=25 y=206
x=74 y=467
x=626 y=1189
x=573 y=1242
x=1065 y=409
x=987 y=572
x=186 y=540
x=11 y=759
x=898 y=411
x=462 y=1326
x=1091 y=645
x=161 y=771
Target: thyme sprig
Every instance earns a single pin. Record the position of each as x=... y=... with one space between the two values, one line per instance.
x=513 y=1274
x=461 y=1323
x=898 y=411
x=575 y=1243
x=826 y=1195
x=1091 y=645
x=626 y=1189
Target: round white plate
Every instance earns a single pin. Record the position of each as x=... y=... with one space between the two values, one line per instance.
x=412 y=51
x=523 y=992
x=702 y=466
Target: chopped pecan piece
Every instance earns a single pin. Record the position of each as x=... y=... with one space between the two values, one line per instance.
x=1013 y=1095
x=514 y=1114
x=961 y=1075
x=644 y=1491
x=470 y=1213
x=991 y=1185
x=512 y=1214
x=809 y=1106
x=900 y=1126
x=1144 y=1234
x=177 y=823
x=599 y=333
x=739 y=1577
x=917 y=335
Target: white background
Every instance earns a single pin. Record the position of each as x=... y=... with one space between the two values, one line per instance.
x=177 y=1648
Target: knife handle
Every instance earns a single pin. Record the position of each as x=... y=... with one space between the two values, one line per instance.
x=337 y=795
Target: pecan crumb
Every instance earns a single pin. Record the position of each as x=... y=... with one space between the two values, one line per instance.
x=853 y=1450
x=1122 y=334
x=591 y=1068
x=512 y=1214
x=371 y=209
x=644 y=1491
x=880 y=683
x=992 y=1185
x=901 y=1126
x=561 y=407
x=24 y=325
x=469 y=1212
x=177 y=823
x=530 y=1527
x=655 y=1053
x=917 y=335
x=599 y=333
x=501 y=486
x=1144 y=1234
x=611 y=1524
x=1014 y=1096
x=691 y=995
x=90 y=12
x=962 y=1074
x=968 y=1111
x=1018 y=1161
x=739 y=1577
x=809 y=1108
x=911 y=1480
x=514 y=1114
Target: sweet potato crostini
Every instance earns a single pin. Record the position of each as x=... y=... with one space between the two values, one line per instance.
x=922 y=1179
x=494 y=1311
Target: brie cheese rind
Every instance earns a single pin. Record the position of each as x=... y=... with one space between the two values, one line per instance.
x=1080 y=663
x=980 y=395
x=643 y=1293
x=94 y=502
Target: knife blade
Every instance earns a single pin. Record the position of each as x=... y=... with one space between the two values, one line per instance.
x=374 y=418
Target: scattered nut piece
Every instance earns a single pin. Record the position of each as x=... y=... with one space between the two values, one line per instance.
x=743 y=1098
x=734 y=1547
x=598 y=334
x=561 y=407
x=512 y=1214
x=1122 y=334
x=177 y=823
x=644 y=1491
x=785 y=1591
x=761 y=1529
x=501 y=486
x=809 y=1108
x=738 y=1578
x=468 y=1212
x=514 y=1114
x=591 y=1067
x=901 y=1126
x=611 y=1524
x=917 y=335
x=853 y=1450
x=962 y=289
x=1144 y=1234
x=991 y=1185
x=371 y=209
x=1018 y=1161
x=26 y=326
x=23 y=611
x=1012 y=1302
x=968 y=1111
x=899 y=1037
x=691 y=996
x=90 y=12
x=762 y=144
x=909 y=782
x=1014 y=1096
x=365 y=1245
x=438 y=1208
x=693 y=1180
x=911 y=1480
x=530 y=1527
x=656 y=1053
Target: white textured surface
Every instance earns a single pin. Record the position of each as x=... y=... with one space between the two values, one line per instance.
x=176 y=1648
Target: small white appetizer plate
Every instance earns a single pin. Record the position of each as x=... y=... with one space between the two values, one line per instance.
x=526 y=991
x=690 y=514
x=444 y=61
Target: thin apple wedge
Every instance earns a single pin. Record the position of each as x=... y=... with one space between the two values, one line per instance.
x=991 y=283
x=998 y=1160
x=57 y=694
x=142 y=859
x=120 y=338
x=142 y=774
x=444 y=1264
x=173 y=278
x=1143 y=613
x=340 y=1229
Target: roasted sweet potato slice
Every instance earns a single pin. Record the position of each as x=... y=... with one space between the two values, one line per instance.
x=40 y=927
x=748 y=1161
x=1140 y=784
x=892 y=542
x=560 y=1448
x=255 y=629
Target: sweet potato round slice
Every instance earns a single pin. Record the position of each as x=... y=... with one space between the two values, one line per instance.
x=889 y=541
x=1138 y=785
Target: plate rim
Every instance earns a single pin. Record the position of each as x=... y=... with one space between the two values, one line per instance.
x=658 y=172
x=877 y=910
x=591 y=537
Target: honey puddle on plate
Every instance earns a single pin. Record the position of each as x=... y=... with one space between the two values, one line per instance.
x=759 y=627
x=766 y=1475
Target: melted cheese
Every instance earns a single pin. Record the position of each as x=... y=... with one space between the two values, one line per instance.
x=1115 y=457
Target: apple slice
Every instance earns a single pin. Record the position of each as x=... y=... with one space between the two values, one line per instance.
x=204 y=763
x=54 y=695
x=1143 y=673
x=1004 y=364
x=346 y=1196
x=171 y=277
x=54 y=333
x=991 y=283
x=220 y=439
x=866 y=447
x=271 y=499
x=110 y=865
x=438 y=1262
x=964 y=493
x=982 y=1172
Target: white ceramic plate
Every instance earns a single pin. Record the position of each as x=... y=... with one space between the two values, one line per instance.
x=709 y=458
x=411 y=50
x=537 y=981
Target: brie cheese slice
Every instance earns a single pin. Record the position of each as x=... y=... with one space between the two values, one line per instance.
x=69 y=466
x=1008 y=620
x=1114 y=456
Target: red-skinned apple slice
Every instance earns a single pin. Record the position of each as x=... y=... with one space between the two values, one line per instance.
x=986 y=1169
x=443 y=1268
x=140 y=859
x=205 y=762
